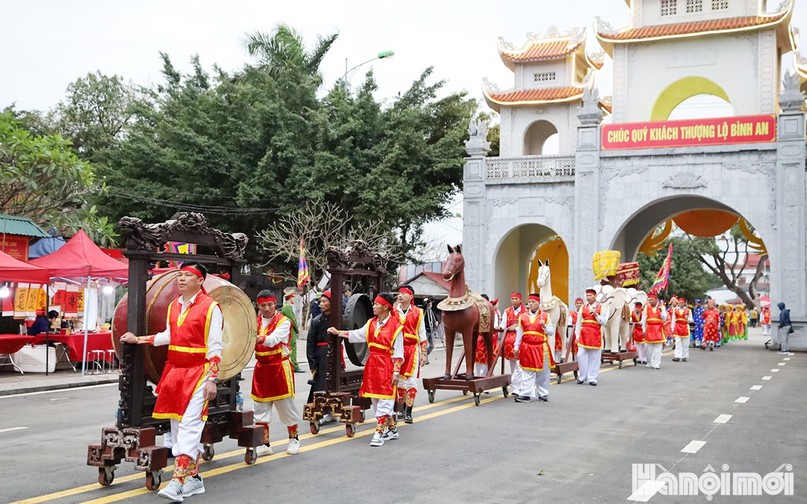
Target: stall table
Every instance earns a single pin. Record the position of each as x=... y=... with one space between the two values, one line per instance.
x=74 y=345
x=11 y=344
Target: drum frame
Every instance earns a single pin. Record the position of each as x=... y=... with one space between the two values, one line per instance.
x=133 y=438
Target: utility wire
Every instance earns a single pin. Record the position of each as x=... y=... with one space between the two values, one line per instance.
x=211 y=209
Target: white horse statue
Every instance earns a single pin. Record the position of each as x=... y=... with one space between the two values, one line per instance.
x=552 y=305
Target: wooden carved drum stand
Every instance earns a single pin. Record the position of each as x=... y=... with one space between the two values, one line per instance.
x=365 y=270
x=133 y=438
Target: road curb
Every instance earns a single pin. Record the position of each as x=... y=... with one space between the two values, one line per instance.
x=57 y=386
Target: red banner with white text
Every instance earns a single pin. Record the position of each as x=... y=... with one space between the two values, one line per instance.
x=690 y=132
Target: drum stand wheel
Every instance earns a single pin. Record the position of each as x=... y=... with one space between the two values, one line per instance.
x=208 y=453
x=350 y=430
x=250 y=456
x=106 y=475
x=314 y=428
x=154 y=479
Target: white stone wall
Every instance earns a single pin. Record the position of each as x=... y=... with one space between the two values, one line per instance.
x=560 y=67
x=561 y=115
x=650 y=12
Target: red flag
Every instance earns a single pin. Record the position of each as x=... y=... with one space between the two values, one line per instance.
x=663 y=277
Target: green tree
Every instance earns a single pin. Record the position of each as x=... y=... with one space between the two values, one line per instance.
x=42 y=178
x=688 y=278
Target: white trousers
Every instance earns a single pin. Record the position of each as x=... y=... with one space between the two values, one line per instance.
x=681 y=348
x=186 y=434
x=532 y=381
x=766 y=329
x=653 y=351
x=516 y=375
x=383 y=407
x=589 y=360
x=480 y=369
x=640 y=352
x=407 y=383
x=286 y=410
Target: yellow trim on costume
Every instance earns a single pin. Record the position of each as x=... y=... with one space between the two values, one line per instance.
x=185 y=349
x=379 y=345
x=378 y=396
x=411 y=336
x=590 y=322
x=271 y=352
x=589 y=347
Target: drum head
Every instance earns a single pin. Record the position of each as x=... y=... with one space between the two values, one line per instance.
x=358 y=311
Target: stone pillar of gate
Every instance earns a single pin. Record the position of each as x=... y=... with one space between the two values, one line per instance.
x=474 y=226
x=587 y=195
x=788 y=256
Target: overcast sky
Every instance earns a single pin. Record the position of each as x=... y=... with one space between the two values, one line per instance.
x=49 y=43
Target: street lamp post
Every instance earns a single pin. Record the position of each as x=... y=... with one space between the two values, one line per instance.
x=379 y=56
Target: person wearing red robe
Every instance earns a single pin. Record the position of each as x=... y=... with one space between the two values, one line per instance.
x=273 y=378
x=510 y=319
x=637 y=333
x=415 y=346
x=189 y=380
x=589 y=339
x=382 y=333
x=765 y=320
x=533 y=352
x=481 y=354
x=573 y=314
x=681 y=317
x=711 y=325
x=653 y=326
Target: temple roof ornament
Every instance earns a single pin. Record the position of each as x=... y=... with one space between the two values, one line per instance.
x=547 y=47
x=538 y=96
x=791 y=99
x=608 y=36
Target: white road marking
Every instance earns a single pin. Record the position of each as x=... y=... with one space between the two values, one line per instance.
x=723 y=419
x=742 y=400
x=756 y=387
x=782 y=364
x=73 y=389
x=790 y=353
x=775 y=370
x=693 y=447
x=646 y=491
x=766 y=378
x=786 y=358
x=13 y=429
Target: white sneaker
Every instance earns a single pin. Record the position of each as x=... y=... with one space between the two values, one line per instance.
x=390 y=434
x=326 y=418
x=193 y=486
x=378 y=439
x=263 y=450
x=294 y=447
x=172 y=491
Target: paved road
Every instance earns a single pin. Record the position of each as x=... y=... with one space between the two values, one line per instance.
x=577 y=448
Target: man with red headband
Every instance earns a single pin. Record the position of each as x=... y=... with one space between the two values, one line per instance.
x=273 y=378
x=193 y=333
x=589 y=339
x=386 y=354
x=481 y=355
x=681 y=317
x=511 y=315
x=653 y=326
x=415 y=345
x=533 y=352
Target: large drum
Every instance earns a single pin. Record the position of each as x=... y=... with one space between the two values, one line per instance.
x=240 y=322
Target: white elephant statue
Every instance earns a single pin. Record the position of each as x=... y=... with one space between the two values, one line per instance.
x=616 y=300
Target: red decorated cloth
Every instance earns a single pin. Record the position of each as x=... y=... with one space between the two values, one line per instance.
x=411 y=325
x=187 y=363
x=655 y=331
x=377 y=381
x=481 y=355
x=75 y=344
x=681 y=328
x=11 y=343
x=590 y=328
x=638 y=334
x=534 y=344
x=273 y=377
x=711 y=325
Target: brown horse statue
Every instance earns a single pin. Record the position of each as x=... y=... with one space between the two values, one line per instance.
x=461 y=314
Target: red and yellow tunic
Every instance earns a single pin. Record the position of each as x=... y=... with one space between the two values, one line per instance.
x=411 y=332
x=681 y=329
x=511 y=319
x=534 y=344
x=574 y=316
x=590 y=328
x=378 y=371
x=187 y=363
x=273 y=377
x=654 y=332
x=711 y=325
x=638 y=334
x=766 y=316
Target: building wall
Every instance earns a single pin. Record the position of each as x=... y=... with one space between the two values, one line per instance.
x=527 y=81
x=650 y=12
x=561 y=115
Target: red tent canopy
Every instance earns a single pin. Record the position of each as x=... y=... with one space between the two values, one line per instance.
x=12 y=270
x=80 y=257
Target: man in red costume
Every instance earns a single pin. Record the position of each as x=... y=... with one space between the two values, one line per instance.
x=653 y=325
x=415 y=345
x=681 y=317
x=765 y=320
x=711 y=325
x=193 y=333
x=481 y=355
x=573 y=314
x=273 y=378
x=511 y=315
x=533 y=352
x=638 y=334
x=382 y=334
x=589 y=339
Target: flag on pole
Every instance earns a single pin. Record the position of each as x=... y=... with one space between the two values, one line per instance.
x=663 y=277
x=302 y=267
